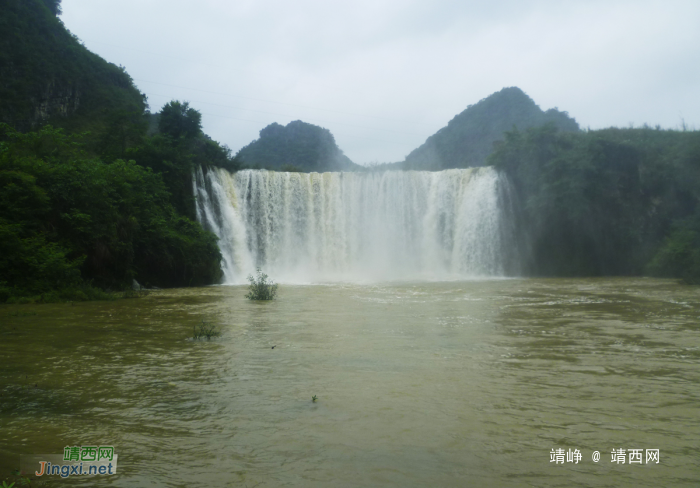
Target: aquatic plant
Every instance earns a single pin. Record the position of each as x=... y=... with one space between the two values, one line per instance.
x=131 y=293
x=22 y=480
x=22 y=314
x=261 y=288
x=314 y=398
x=205 y=330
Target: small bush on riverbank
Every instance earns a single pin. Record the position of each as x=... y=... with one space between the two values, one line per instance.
x=679 y=255
x=261 y=288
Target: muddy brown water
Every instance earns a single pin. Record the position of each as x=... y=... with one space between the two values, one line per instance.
x=447 y=384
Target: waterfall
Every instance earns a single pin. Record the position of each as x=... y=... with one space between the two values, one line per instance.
x=360 y=226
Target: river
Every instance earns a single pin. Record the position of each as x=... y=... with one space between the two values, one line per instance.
x=432 y=384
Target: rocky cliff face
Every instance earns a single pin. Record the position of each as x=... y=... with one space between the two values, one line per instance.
x=55 y=101
x=48 y=76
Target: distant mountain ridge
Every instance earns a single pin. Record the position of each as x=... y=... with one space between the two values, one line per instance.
x=298 y=146
x=468 y=138
x=465 y=142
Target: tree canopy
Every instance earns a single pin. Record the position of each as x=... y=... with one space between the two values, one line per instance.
x=68 y=219
x=54 y=6
x=179 y=120
x=609 y=202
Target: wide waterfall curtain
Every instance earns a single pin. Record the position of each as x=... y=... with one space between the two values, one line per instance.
x=306 y=227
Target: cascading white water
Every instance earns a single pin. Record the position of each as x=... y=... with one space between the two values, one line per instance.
x=309 y=227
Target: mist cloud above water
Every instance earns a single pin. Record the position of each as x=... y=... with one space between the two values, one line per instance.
x=383 y=76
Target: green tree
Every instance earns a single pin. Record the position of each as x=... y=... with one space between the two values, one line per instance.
x=67 y=217
x=54 y=6
x=581 y=201
x=179 y=120
x=124 y=132
x=679 y=255
x=174 y=152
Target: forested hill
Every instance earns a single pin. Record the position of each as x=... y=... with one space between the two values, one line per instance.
x=605 y=202
x=48 y=76
x=81 y=214
x=298 y=146
x=468 y=138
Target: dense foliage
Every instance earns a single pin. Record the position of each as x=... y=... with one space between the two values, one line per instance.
x=298 y=146
x=679 y=255
x=178 y=120
x=110 y=203
x=175 y=149
x=47 y=75
x=615 y=201
x=468 y=138
x=68 y=219
x=261 y=287
x=54 y=6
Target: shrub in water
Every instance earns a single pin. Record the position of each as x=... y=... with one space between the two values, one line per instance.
x=261 y=288
x=205 y=330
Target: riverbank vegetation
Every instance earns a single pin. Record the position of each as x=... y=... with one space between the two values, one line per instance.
x=607 y=202
x=72 y=225
x=95 y=191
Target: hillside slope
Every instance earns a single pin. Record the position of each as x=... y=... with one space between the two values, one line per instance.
x=48 y=76
x=94 y=202
x=297 y=146
x=468 y=138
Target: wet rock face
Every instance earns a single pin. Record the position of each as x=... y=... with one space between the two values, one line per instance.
x=52 y=100
x=47 y=74
x=56 y=100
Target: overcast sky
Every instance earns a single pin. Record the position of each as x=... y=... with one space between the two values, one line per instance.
x=383 y=75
